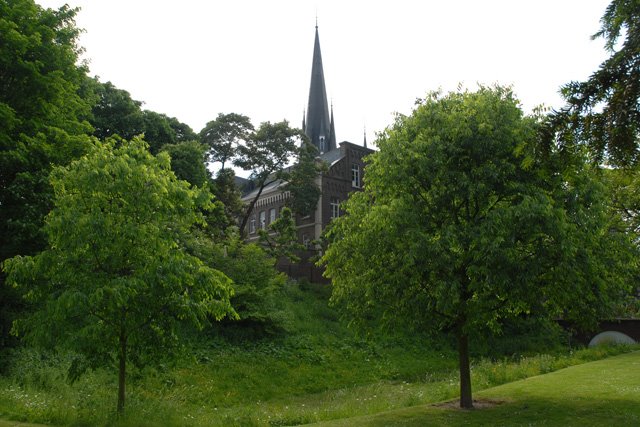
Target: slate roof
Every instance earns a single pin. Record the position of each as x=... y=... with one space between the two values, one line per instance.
x=318 y=122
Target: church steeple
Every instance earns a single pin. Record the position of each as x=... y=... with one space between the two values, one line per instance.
x=318 y=124
x=332 y=131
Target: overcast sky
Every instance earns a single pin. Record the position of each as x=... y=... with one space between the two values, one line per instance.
x=194 y=59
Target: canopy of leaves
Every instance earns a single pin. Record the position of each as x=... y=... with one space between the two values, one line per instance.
x=223 y=135
x=116 y=113
x=114 y=279
x=43 y=112
x=266 y=154
x=460 y=226
x=604 y=111
x=188 y=162
x=301 y=184
x=256 y=284
x=226 y=190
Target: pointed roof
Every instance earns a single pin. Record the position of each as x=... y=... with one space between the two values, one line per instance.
x=332 y=132
x=365 y=137
x=318 y=123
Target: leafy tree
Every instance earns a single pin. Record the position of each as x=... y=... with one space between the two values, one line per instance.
x=281 y=239
x=266 y=154
x=188 y=162
x=604 y=111
x=116 y=113
x=114 y=279
x=43 y=110
x=256 y=283
x=226 y=191
x=301 y=183
x=181 y=130
x=157 y=130
x=461 y=226
x=223 y=135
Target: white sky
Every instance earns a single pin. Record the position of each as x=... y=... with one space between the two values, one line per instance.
x=194 y=59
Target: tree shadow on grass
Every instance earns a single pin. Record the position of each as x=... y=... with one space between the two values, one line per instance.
x=523 y=412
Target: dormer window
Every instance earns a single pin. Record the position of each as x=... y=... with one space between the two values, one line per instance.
x=322 y=145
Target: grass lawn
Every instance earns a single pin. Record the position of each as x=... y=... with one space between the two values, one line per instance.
x=318 y=371
x=601 y=393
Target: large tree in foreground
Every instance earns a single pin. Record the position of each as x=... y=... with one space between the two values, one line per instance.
x=43 y=107
x=114 y=279
x=460 y=227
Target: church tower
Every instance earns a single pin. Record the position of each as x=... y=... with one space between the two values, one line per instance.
x=318 y=125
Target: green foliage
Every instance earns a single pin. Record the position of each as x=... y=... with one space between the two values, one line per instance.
x=281 y=238
x=461 y=226
x=116 y=113
x=188 y=162
x=317 y=372
x=226 y=191
x=223 y=136
x=256 y=283
x=42 y=123
x=114 y=281
x=604 y=111
x=301 y=183
x=266 y=154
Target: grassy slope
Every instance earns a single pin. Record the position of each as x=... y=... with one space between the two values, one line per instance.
x=318 y=371
x=605 y=392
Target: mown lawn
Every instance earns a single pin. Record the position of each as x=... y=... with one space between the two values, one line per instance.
x=601 y=393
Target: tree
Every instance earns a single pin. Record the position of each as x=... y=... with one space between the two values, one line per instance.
x=44 y=107
x=604 y=111
x=226 y=190
x=461 y=226
x=116 y=113
x=223 y=135
x=281 y=239
x=115 y=279
x=266 y=154
x=301 y=183
x=188 y=162
x=256 y=283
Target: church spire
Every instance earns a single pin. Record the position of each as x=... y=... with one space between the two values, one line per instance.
x=332 y=131
x=365 y=136
x=318 y=123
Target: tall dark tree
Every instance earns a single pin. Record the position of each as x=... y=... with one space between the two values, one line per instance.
x=301 y=183
x=266 y=154
x=116 y=113
x=43 y=112
x=224 y=135
x=188 y=162
x=604 y=111
x=226 y=190
x=461 y=227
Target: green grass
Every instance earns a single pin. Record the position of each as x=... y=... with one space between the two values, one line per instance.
x=606 y=392
x=318 y=371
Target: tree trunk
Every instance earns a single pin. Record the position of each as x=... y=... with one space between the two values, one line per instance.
x=247 y=214
x=122 y=359
x=466 y=401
